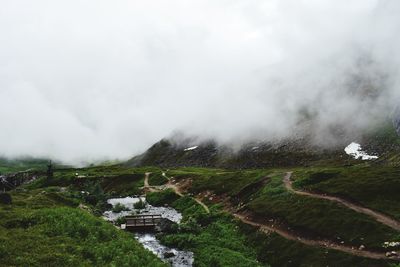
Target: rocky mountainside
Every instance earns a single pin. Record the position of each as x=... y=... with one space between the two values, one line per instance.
x=168 y=153
x=299 y=151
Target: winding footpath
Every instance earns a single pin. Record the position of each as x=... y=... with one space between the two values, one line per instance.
x=170 y=185
x=267 y=228
x=380 y=217
x=290 y=235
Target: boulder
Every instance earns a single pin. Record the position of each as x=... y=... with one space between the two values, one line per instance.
x=166 y=226
x=169 y=254
x=5 y=198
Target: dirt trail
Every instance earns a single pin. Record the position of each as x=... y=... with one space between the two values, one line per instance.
x=146 y=179
x=267 y=228
x=170 y=185
x=380 y=217
x=270 y=227
x=149 y=188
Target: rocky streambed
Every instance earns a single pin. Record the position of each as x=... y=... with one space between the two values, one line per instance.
x=177 y=258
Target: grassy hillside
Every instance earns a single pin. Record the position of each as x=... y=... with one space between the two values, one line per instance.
x=376 y=187
x=47 y=220
x=214 y=238
x=310 y=217
x=45 y=228
x=15 y=165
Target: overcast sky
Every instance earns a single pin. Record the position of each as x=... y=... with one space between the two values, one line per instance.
x=90 y=79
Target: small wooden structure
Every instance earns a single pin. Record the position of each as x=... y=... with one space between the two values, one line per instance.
x=142 y=221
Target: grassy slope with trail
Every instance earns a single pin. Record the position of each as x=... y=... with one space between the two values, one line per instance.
x=215 y=237
x=207 y=235
x=313 y=217
x=376 y=187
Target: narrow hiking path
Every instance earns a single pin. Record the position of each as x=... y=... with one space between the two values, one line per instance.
x=268 y=228
x=378 y=216
x=170 y=185
x=147 y=186
x=146 y=179
x=179 y=192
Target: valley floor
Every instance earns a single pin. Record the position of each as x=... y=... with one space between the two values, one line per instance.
x=316 y=216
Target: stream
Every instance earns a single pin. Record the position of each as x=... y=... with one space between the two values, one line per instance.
x=177 y=258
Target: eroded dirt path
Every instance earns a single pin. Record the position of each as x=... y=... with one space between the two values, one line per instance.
x=171 y=185
x=268 y=228
x=272 y=227
x=380 y=217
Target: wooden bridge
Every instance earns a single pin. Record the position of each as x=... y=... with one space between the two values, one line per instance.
x=137 y=222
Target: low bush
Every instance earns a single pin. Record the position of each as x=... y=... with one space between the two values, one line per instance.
x=140 y=205
x=119 y=207
x=161 y=198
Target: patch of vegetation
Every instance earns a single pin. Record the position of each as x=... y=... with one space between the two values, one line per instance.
x=376 y=187
x=139 y=205
x=119 y=208
x=157 y=179
x=160 y=198
x=219 y=181
x=319 y=218
x=16 y=165
x=282 y=252
x=39 y=230
x=214 y=238
x=115 y=180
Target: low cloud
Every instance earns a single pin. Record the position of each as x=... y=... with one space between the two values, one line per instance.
x=92 y=80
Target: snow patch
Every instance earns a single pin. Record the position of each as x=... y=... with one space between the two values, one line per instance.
x=190 y=148
x=355 y=151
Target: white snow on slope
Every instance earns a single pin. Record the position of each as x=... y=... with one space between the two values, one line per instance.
x=355 y=150
x=190 y=148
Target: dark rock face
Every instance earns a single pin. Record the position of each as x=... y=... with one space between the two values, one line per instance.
x=167 y=226
x=285 y=153
x=5 y=198
x=169 y=254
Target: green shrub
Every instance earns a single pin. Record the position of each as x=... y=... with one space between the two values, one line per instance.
x=139 y=205
x=157 y=179
x=119 y=207
x=161 y=198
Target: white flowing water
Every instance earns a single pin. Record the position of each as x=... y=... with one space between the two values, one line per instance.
x=177 y=258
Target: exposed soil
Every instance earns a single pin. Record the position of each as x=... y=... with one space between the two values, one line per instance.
x=272 y=226
x=380 y=217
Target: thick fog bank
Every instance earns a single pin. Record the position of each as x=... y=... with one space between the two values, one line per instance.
x=95 y=80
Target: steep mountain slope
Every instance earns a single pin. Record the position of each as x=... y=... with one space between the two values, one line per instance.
x=302 y=150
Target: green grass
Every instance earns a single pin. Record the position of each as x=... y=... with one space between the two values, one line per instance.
x=319 y=218
x=376 y=187
x=159 y=199
x=116 y=180
x=43 y=228
x=219 y=181
x=281 y=252
x=157 y=179
x=16 y=165
x=214 y=238
x=313 y=217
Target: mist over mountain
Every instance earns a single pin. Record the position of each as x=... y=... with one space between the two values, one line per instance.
x=93 y=80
